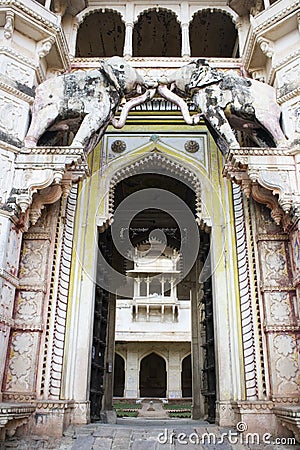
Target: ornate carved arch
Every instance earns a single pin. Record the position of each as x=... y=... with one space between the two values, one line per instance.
x=155 y=160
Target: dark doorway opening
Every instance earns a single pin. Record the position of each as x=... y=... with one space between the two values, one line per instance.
x=186 y=377
x=119 y=376
x=153 y=377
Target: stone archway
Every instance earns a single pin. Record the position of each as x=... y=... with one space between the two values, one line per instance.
x=153 y=376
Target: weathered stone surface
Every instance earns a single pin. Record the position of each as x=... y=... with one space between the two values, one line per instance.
x=228 y=102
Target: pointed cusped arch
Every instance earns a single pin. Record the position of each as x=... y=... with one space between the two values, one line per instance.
x=157 y=33
x=145 y=159
x=213 y=33
x=101 y=33
x=158 y=162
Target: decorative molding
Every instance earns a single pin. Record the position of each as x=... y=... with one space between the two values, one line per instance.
x=261 y=29
x=289 y=416
x=153 y=159
x=275 y=170
x=15 y=92
x=62 y=296
x=9 y=25
x=282 y=328
x=266 y=46
x=292 y=94
x=245 y=296
x=272 y=237
x=37 y=168
x=11 y=279
x=266 y=288
x=44 y=197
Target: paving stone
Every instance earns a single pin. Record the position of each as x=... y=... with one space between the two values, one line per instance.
x=83 y=442
x=136 y=435
x=144 y=444
x=101 y=443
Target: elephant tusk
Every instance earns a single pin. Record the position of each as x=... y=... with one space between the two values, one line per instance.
x=174 y=98
x=120 y=122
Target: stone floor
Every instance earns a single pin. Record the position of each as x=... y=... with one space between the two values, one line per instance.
x=141 y=434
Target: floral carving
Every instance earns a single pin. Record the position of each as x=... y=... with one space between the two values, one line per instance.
x=20 y=362
x=34 y=259
x=191 y=146
x=27 y=308
x=280 y=310
x=118 y=146
x=284 y=344
x=287 y=368
x=274 y=263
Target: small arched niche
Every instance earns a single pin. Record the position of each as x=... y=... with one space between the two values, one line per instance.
x=157 y=33
x=101 y=34
x=212 y=34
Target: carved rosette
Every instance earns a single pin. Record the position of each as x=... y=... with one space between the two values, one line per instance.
x=118 y=146
x=191 y=146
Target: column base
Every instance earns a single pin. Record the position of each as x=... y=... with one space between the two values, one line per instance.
x=109 y=416
x=51 y=418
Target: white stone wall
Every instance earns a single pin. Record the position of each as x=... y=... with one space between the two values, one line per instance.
x=157 y=328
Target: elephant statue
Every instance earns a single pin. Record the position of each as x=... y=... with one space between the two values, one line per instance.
x=85 y=102
x=227 y=102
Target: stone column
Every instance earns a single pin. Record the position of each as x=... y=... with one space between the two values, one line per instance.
x=174 y=375
x=128 y=40
x=185 y=43
x=132 y=374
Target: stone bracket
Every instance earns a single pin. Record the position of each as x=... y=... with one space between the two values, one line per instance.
x=289 y=416
x=13 y=416
x=270 y=175
x=43 y=174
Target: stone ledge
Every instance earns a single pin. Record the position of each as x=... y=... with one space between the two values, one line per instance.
x=12 y=416
x=289 y=416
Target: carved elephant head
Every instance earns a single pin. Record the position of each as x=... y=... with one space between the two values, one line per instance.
x=227 y=102
x=85 y=102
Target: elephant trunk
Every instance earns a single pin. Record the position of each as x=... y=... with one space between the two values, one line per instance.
x=120 y=122
x=165 y=92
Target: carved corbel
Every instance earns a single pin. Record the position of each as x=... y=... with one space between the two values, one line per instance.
x=44 y=197
x=240 y=177
x=265 y=197
x=60 y=7
x=277 y=182
x=45 y=46
x=9 y=25
x=266 y=46
x=259 y=74
x=38 y=168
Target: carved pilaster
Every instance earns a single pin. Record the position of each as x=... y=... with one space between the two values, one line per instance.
x=281 y=321
x=29 y=307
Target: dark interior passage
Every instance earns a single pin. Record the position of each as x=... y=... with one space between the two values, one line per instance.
x=153 y=376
